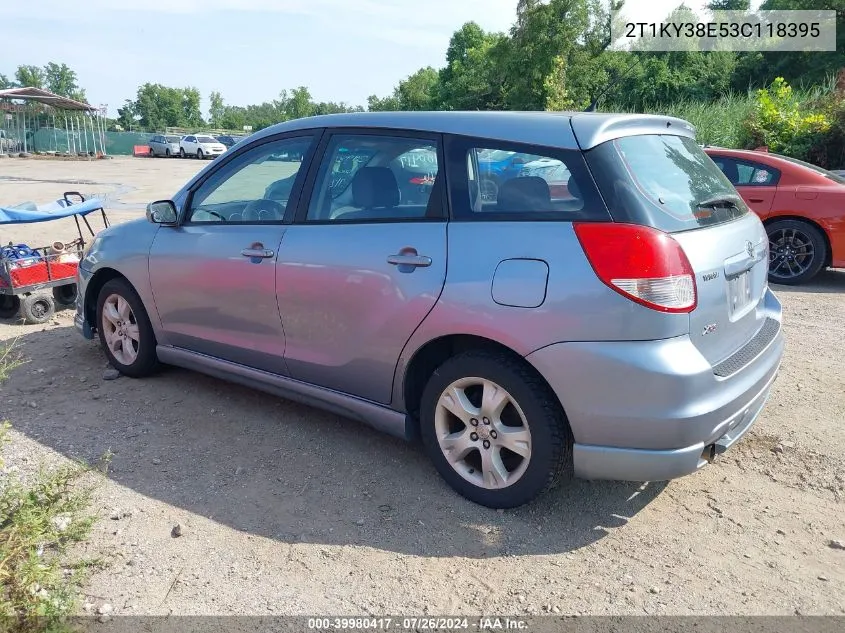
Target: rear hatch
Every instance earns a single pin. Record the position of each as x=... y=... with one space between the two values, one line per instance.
x=667 y=182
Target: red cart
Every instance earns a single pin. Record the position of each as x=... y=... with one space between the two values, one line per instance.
x=33 y=281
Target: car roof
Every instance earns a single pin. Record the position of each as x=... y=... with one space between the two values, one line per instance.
x=568 y=130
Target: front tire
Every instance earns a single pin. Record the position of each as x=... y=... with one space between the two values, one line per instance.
x=494 y=429
x=125 y=331
x=797 y=252
x=181 y=152
x=199 y=154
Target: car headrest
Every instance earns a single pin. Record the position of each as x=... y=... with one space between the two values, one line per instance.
x=374 y=187
x=526 y=193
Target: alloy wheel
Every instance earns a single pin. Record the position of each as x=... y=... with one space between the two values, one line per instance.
x=483 y=433
x=791 y=253
x=120 y=329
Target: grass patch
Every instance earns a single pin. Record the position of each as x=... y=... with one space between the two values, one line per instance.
x=10 y=359
x=41 y=515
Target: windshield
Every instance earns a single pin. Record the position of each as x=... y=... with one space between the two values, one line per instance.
x=206 y=139
x=827 y=174
x=663 y=181
x=172 y=139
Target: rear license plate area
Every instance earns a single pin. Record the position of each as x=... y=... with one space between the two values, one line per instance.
x=739 y=293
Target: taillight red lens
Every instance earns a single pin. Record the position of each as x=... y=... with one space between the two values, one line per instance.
x=641 y=263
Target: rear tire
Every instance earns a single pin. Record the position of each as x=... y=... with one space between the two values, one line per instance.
x=120 y=312
x=10 y=306
x=65 y=295
x=472 y=452
x=797 y=252
x=37 y=308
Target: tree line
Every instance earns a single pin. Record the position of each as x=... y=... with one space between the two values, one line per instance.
x=157 y=107
x=59 y=79
x=556 y=56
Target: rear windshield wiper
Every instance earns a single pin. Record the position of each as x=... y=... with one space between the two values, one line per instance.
x=719 y=201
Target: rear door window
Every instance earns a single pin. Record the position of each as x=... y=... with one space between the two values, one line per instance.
x=495 y=180
x=378 y=177
x=663 y=181
x=746 y=173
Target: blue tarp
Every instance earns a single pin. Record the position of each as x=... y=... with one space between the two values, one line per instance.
x=29 y=213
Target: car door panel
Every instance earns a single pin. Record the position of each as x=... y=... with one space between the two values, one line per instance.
x=214 y=300
x=213 y=277
x=346 y=310
x=759 y=198
x=356 y=276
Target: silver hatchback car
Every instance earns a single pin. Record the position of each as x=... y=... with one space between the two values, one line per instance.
x=614 y=323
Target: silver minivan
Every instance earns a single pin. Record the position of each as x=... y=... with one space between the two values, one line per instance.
x=612 y=323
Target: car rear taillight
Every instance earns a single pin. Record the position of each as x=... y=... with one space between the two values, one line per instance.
x=641 y=263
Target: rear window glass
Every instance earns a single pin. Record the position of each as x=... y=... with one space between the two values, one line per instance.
x=663 y=181
x=494 y=180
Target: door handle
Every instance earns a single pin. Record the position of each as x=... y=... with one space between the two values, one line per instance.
x=262 y=253
x=409 y=260
x=755 y=199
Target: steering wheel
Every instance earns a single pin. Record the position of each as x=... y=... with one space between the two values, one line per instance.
x=215 y=214
x=263 y=210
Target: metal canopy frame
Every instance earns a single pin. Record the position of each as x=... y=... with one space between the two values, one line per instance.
x=82 y=121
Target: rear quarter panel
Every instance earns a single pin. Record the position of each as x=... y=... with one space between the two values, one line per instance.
x=825 y=207
x=577 y=305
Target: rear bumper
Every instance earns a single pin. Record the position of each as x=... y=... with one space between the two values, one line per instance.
x=607 y=462
x=648 y=410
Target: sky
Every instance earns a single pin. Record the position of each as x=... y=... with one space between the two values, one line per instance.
x=249 y=50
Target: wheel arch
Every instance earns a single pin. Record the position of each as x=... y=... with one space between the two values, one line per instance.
x=801 y=218
x=92 y=291
x=428 y=357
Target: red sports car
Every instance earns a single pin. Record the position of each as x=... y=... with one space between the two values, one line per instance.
x=801 y=205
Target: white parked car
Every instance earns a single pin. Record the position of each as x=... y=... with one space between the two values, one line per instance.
x=201 y=146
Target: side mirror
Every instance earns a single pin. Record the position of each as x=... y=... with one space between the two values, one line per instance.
x=162 y=212
x=518 y=160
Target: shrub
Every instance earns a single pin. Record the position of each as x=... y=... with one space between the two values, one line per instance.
x=786 y=123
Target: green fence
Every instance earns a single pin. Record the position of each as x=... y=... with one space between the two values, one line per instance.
x=57 y=140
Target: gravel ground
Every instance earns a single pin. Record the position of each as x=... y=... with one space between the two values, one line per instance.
x=284 y=509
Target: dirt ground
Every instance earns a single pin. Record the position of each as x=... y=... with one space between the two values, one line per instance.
x=289 y=510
